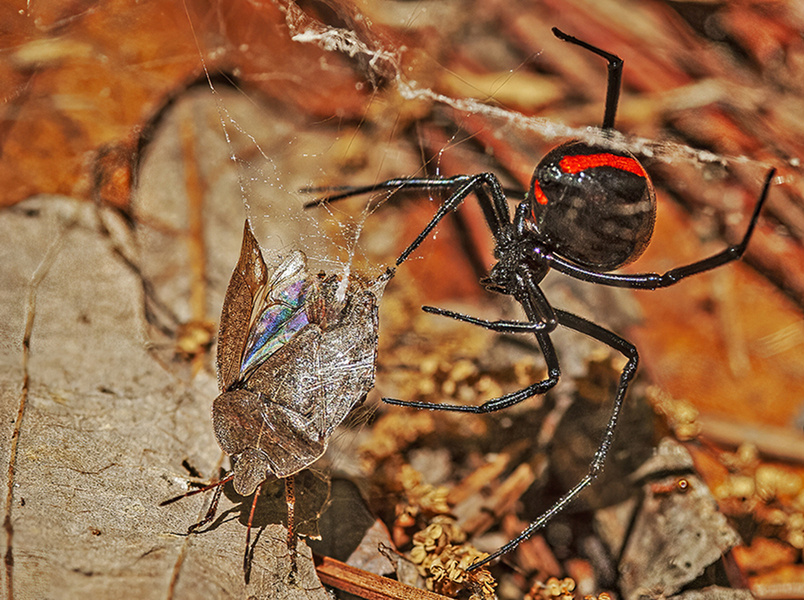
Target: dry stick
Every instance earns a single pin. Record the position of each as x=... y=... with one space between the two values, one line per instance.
x=501 y=501
x=534 y=555
x=487 y=473
x=196 y=187
x=777 y=442
x=33 y=289
x=366 y=585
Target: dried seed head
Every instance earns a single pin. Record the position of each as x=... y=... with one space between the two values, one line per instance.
x=773 y=481
x=462 y=370
x=552 y=589
x=681 y=416
x=442 y=557
x=426 y=498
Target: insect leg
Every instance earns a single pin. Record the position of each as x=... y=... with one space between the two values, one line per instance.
x=213 y=507
x=248 y=552
x=290 y=500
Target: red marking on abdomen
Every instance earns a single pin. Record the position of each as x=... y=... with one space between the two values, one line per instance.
x=538 y=194
x=582 y=162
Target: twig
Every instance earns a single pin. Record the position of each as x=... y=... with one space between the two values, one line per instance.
x=777 y=442
x=366 y=585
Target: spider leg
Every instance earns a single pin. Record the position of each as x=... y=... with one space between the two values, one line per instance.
x=614 y=78
x=500 y=326
x=495 y=208
x=540 y=313
x=341 y=192
x=526 y=290
x=628 y=350
x=651 y=281
x=403 y=183
x=486 y=187
x=495 y=404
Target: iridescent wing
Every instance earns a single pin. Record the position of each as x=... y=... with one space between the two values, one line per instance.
x=281 y=315
x=281 y=422
x=259 y=316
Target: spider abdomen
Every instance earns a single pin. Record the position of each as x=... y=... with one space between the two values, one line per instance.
x=593 y=205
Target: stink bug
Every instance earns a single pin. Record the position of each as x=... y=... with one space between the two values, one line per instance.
x=296 y=353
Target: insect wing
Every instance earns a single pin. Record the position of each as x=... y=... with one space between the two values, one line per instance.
x=302 y=358
x=282 y=315
x=348 y=356
x=293 y=401
x=246 y=284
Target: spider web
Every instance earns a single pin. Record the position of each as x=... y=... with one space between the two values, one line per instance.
x=384 y=61
x=271 y=174
x=98 y=460
x=272 y=191
x=274 y=152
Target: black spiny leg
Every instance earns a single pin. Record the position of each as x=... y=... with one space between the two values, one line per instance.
x=630 y=352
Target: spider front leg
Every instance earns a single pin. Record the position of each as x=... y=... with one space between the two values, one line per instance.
x=390 y=185
x=628 y=350
x=495 y=212
x=490 y=193
x=495 y=209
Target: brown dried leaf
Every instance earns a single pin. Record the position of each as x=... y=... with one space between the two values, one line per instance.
x=83 y=82
x=102 y=431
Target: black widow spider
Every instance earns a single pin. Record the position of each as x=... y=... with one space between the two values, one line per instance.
x=589 y=210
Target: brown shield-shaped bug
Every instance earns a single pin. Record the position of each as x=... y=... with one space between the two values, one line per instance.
x=296 y=353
